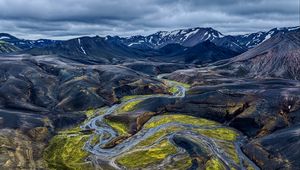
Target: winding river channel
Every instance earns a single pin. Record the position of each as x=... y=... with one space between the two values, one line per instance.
x=106 y=133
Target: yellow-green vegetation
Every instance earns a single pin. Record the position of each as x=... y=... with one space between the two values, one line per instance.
x=130 y=106
x=214 y=164
x=185 y=85
x=147 y=157
x=219 y=133
x=90 y=112
x=180 y=164
x=120 y=127
x=159 y=134
x=95 y=140
x=230 y=150
x=127 y=98
x=173 y=89
x=184 y=119
x=65 y=151
x=248 y=166
x=71 y=131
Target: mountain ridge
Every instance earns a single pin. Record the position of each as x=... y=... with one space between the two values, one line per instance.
x=186 y=37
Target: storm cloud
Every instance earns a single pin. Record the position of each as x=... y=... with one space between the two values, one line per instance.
x=70 y=18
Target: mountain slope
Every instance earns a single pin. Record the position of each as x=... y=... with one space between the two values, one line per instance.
x=7 y=48
x=89 y=50
x=204 y=52
x=277 y=57
x=110 y=50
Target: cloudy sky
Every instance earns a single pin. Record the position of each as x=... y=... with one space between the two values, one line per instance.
x=62 y=19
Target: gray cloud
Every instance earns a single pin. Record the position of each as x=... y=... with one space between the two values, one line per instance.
x=67 y=18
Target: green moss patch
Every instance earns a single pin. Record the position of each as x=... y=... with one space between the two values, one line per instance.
x=214 y=164
x=90 y=113
x=127 y=98
x=230 y=150
x=158 y=135
x=173 y=89
x=219 y=133
x=185 y=85
x=183 y=119
x=181 y=163
x=130 y=106
x=65 y=151
x=121 y=128
x=147 y=157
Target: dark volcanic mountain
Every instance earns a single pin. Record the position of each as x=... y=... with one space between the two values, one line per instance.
x=90 y=50
x=60 y=84
x=97 y=103
x=98 y=50
x=277 y=57
x=201 y=53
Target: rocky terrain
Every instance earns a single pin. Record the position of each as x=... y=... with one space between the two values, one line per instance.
x=42 y=93
x=255 y=93
x=99 y=103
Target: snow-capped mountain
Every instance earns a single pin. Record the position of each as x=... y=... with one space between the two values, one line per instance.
x=193 y=36
x=25 y=44
x=185 y=37
x=278 y=56
x=252 y=40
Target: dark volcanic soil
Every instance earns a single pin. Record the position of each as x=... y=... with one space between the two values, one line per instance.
x=255 y=96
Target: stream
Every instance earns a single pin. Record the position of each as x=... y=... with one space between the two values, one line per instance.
x=106 y=133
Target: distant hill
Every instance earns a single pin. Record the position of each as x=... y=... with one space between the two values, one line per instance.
x=89 y=50
x=25 y=44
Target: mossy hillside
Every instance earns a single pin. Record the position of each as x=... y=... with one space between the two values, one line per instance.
x=127 y=98
x=173 y=89
x=95 y=140
x=225 y=136
x=182 y=163
x=147 y=157
x=121 y=128
x=178 y=118
x=90 y=113
x=159 y=135
x=214 y=164
x=129 y=106
x=65 y=151
x=174 y=83
x=221 y=133
x=230 y=150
